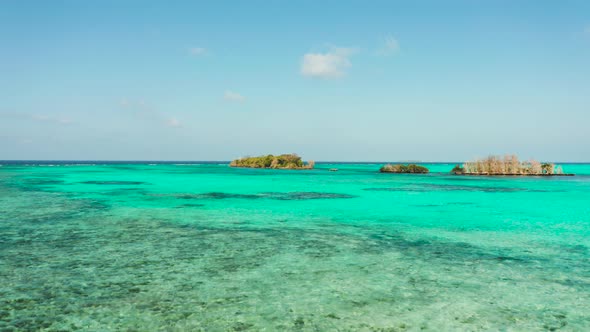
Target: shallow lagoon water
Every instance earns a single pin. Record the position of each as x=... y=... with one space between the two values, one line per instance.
x=207 y=247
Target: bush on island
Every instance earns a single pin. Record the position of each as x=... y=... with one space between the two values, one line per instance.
x=507 y=165
x=458 y=169
x=284 y=161
x=412 y=168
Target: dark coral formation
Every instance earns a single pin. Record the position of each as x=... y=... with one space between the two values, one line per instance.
x=286 y=196
x=115 y=183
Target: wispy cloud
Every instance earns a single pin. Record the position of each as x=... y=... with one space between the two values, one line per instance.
x=390 y=46
x=124 y=103
x=332 y=64
x=65 y=121
x=136 y=105
x=173 y=122
x=233 y=96
x=62 y=120
x=197 y=51
x=143 y=110
x=39 y=117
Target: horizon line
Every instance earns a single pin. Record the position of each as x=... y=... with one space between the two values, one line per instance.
x=228 y=161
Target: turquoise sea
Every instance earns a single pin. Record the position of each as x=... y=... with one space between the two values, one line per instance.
x=205 y=247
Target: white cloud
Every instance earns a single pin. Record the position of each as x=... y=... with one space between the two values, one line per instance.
x=390 y=46
x=327 y=65
x=233 y=96
x=198 y=51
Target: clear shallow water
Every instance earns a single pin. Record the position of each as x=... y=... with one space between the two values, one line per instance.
x=206 y=247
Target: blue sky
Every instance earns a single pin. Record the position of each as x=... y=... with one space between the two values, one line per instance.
x=330 y=80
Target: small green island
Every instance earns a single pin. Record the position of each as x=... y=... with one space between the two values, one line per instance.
x=508 y=165
x=284 y=161
x=409 y=169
